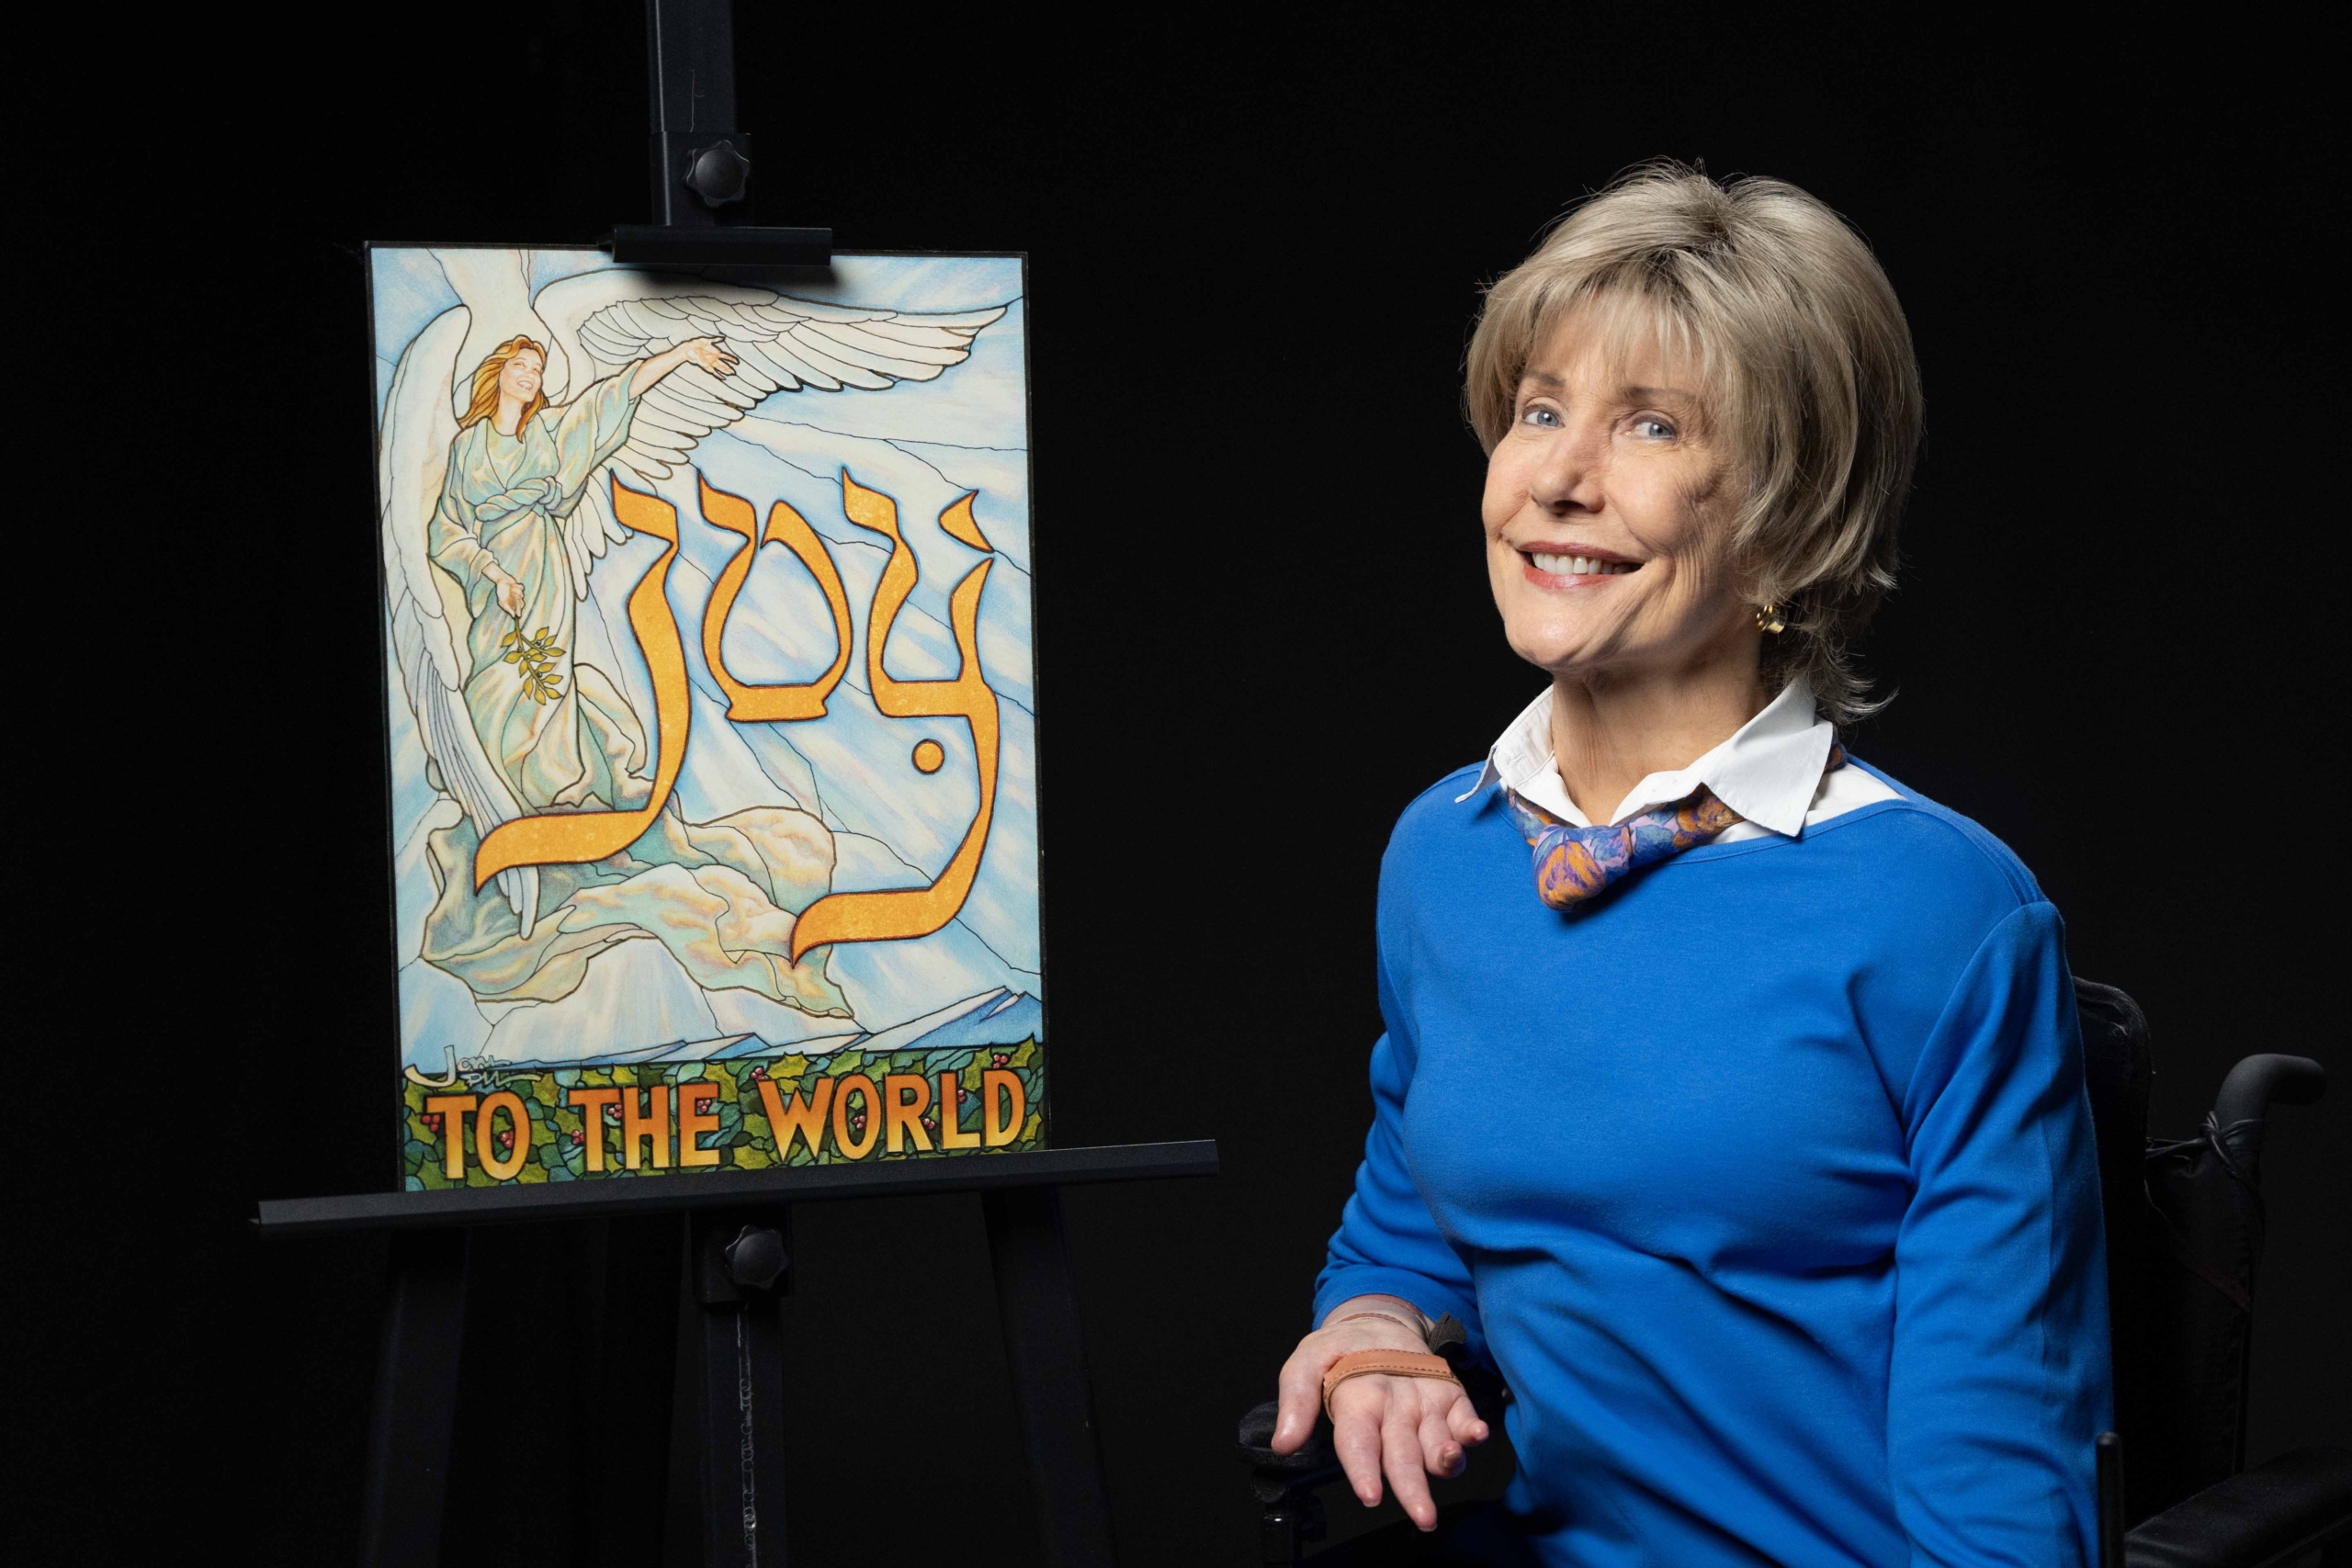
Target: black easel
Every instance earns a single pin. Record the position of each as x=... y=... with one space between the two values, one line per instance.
x=733 y=1228
x=725 y=1484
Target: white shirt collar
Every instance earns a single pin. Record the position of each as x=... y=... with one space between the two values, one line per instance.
x=1768 y=770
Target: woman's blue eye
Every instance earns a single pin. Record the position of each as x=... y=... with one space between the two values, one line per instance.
x=1541 y=416
x=1654 y=429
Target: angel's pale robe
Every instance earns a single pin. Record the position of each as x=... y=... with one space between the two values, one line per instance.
x=505 y=500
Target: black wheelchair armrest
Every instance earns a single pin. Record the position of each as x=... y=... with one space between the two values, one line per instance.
x=1315 y=1457
x=1285 y=1485
x=2266 y=1516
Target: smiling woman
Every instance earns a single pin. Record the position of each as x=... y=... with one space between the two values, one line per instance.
x=1743 y=1130
x=1749 y=336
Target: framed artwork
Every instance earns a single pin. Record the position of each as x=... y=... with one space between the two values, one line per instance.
x=707 y=694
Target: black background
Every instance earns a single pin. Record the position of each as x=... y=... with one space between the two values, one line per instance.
x=1264 y=626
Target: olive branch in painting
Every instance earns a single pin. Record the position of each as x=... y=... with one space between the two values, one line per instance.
x=534 y=658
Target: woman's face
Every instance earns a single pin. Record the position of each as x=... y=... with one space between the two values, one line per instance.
x=519 y=376
x=1603 y=515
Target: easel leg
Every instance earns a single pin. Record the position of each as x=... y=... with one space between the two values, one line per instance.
x=416 y=1401
x=1037 y=1300
x=727 y=1429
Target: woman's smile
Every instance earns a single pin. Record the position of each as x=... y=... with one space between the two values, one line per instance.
x=1571 y=566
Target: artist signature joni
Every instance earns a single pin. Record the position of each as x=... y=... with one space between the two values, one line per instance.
x=478 y=1072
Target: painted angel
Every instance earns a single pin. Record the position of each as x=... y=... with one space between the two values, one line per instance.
x=556 y=732
x=505 y=418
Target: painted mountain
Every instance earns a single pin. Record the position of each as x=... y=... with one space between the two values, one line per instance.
x=998 y=1017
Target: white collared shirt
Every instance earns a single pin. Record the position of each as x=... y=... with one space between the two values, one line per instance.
x=1769 y=771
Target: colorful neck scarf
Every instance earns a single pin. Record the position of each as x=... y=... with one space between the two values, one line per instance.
x=1575 y=865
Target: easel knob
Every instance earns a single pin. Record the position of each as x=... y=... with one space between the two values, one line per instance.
x=756 y=1259
x=719 y=174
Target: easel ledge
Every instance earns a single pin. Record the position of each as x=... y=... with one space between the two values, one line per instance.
x=615 y=1199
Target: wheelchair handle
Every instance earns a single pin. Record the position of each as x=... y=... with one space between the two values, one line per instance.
x=2247 y=1096
x=2258 y=1082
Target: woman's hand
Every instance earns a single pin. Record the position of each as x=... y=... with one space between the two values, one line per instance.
x=510 y=593
x=1406 y=1428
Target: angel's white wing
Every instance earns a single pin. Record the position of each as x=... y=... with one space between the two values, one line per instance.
x=604 y=320
x=411 y=460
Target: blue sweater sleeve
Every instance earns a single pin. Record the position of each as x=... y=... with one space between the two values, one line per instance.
x=1999 y=1382
x=1387 y=1244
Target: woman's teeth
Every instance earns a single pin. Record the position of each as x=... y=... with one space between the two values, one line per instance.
x=1580 y=566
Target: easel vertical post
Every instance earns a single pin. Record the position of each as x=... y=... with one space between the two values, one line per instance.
x=727 y=1427
x=1036 y=1298
x=701 y=161
x=416 y=1401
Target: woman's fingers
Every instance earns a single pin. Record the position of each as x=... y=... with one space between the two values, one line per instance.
x=1384 y=1428
x=1402 y=1430
x=1406 y=1464
x=1462 y=1420
x=1300 y=1393
x=1357 y=1419
x=1440 y=1455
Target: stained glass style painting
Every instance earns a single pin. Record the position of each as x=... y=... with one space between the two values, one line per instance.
x=708 y=686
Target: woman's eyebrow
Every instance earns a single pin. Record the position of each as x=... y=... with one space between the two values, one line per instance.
x=1662 y=392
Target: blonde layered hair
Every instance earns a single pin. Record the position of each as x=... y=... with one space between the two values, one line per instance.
x=1811 y=385
x=485 y=394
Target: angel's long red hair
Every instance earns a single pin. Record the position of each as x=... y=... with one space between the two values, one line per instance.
x=485 y=401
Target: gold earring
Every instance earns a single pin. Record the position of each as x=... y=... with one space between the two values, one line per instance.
x=1769 y=619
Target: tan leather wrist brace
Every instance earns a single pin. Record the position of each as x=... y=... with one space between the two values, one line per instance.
x=1389 y=1363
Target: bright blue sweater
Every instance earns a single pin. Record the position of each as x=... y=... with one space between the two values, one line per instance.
x=1768 y=1185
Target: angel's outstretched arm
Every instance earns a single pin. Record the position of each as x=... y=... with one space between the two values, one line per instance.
x=708 y=352
x=595 y=424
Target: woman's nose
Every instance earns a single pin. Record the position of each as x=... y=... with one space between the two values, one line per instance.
x=1566 y=478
